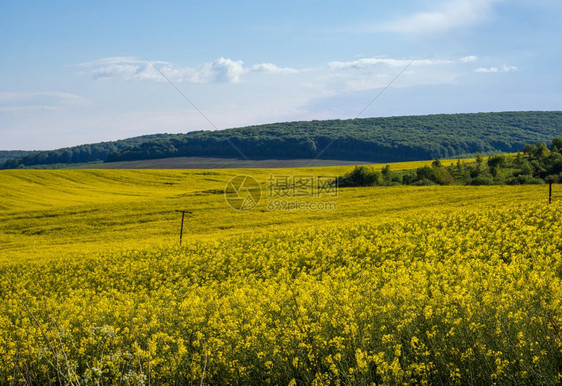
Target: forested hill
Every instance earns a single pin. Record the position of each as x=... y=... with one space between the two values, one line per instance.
x=11 y=154
x=371 y=139
x=75 y=154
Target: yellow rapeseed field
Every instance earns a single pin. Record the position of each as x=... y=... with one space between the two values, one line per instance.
x=386 y=285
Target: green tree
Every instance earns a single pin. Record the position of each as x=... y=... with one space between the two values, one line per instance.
x=556 y=146
x=497 y=161
x=530 y=150
x=442 y=176
x=541 y=150
x=460 y=167
x=479 y=161
x=386 y=173
x=361 y=176
x=425 y=173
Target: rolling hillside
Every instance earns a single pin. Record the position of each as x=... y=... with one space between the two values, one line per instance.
x=6 y=155
x=391 y=139
x=72 y=155
x=395 y=285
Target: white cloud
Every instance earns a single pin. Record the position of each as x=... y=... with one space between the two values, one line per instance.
x=373 y=62
x=371 y=73
x=271 y=68
x=132 y=69
x=19 y=96
x=496 y=69
x=12 y=109
x=117 y=60
x=468 y=59
x=222 y=70
x=336 y=76
x=331 y=79
x=33 y=101
x=452 y=14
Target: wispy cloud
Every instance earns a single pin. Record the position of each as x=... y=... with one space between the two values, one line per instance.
x=117 y=60
x=336 y=76
x=449 y=15
x=271 y=68
x=56 y=95
x=371 y=73
x=300 y=85
x=468 y=59
x=222 y=70
x=384 y=62
x=49 y=100
x=496 y=69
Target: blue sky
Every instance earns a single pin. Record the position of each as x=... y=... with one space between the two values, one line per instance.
x=80 y=72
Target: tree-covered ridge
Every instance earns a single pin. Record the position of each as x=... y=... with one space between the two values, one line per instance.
x=538 y=164
x=11 y=154
x=372 y=139
x=391 y=139
x=75 y=154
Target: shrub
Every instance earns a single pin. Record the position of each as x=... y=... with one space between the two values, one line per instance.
x=482 y=180
x=361 y=176
x=523 y=179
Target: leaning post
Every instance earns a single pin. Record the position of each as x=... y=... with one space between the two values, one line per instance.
x=183 y=212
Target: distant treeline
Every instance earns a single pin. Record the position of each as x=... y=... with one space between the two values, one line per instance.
x=77 y=154
x=538 y=164
x=372 y=139
x=11 y=154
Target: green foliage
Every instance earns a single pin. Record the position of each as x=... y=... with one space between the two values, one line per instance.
x=361 y=176
x=425 y=173
x=539 y=165
x=497 y=161
x=6 y=155
x=481 y=180
x=390 y=139
x=479 y=159
x=526 y=168
x=523 y=179
x=435 y=174
x=372 y=139
x=557 y=145
x=442 y=176
x=386 y=173
x=77 y=154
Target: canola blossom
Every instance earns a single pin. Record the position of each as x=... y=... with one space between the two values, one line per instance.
x=466 y=295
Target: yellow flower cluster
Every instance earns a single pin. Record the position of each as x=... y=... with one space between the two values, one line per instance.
x=469 y=296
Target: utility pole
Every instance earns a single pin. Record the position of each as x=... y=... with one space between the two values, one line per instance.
x=551 y=180
x=183 y=212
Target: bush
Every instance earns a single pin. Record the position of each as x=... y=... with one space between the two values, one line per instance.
x=361 y=176
x=497 y=161
x=442 y=176
x=482 y=180
x=425 y=173
x=523 y=179
x=424 y=183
